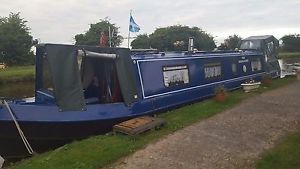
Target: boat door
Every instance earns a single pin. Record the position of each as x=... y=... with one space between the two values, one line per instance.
x=243 y=66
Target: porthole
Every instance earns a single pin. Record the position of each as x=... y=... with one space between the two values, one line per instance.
x=244 y=68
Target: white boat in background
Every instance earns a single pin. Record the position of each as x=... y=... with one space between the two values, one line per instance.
x=296 y=67
x=288 y=69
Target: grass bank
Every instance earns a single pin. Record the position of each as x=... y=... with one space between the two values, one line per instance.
x=99 y=151
x=286 y=155
x=17 y=74
x=284 y=55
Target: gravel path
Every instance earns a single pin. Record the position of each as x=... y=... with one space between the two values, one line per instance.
x=232 y=139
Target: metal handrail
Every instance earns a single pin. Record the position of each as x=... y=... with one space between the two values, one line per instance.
x=87 y=53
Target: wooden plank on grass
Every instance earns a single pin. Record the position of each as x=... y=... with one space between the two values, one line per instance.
x=138 y=125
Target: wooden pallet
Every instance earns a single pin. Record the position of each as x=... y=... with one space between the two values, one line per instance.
x=139 y=125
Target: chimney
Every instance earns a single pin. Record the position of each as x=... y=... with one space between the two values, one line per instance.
x=191 y=44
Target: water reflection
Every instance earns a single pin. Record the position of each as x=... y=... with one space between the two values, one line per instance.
x=17 y=90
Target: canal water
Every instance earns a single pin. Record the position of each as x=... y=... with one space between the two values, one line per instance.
x=17 y=90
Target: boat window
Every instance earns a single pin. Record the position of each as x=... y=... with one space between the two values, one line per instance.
x=251 y=44
x=244 y=68
x=175 y=75
x=270 y=47
x=212 y=70
x=233 y=68
x=47 y=80
x=256 y=65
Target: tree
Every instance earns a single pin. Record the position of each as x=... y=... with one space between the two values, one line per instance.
x=141 y=42
x=232 y=42
x=175 y=38
x=92 y=36
x=15 y=41
x=291 y=43
x=223 y=46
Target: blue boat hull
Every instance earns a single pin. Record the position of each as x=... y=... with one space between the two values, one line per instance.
x=161 y=82
x=44 y=135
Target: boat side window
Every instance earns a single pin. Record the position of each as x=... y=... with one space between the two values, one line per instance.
x=250 y=44
x=256 y=65
x=234 y=68
x=270 y=48
x=212 y=70
x=47 y=80
x=176 y=75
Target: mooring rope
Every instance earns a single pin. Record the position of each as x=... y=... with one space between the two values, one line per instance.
x=24 y=139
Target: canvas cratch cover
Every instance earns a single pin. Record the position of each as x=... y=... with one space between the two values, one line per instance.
x=65 y=75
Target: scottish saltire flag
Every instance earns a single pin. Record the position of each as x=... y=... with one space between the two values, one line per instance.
x=133 y=27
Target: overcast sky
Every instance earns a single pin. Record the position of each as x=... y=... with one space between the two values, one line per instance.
x=59 y=21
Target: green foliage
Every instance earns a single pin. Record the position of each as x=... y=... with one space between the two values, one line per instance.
x=286 y=155
x=233 y=42
x=141 y=42
x=175 y=38
x=100 y=151
x=291 y=43
x=220 y=89
x=15 y=41
x=92 y=36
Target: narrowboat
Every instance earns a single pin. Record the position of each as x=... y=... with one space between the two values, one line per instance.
x=83 y=91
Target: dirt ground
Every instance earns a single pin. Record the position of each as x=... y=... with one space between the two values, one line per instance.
x=232 y=139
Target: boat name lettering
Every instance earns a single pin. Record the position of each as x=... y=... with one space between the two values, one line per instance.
x=243 y=61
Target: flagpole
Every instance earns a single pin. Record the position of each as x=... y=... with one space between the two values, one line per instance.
x=109 y=37
x=129 y=29
x=128 y=38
